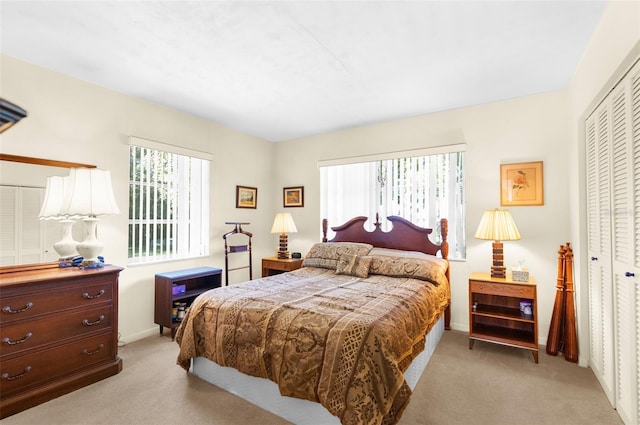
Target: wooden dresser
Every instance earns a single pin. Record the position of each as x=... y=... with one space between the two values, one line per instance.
x=58 y=333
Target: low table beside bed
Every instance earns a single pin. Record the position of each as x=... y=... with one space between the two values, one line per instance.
x=335 y=337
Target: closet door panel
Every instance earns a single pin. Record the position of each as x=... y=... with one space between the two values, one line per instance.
x=624 y=219
x=599 y=248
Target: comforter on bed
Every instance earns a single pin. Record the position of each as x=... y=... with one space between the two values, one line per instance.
x=337 y=339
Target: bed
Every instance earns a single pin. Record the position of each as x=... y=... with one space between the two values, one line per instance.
x=339 y=341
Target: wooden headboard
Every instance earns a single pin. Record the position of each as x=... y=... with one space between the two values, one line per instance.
x=403 y=235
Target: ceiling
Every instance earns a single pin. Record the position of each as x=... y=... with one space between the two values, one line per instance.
x=281 y=70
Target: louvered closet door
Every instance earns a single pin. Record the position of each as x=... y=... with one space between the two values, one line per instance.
x=613 y=196
x=625 y=108
x=599 y=247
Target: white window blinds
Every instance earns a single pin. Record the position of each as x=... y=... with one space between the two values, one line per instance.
x=422 y=189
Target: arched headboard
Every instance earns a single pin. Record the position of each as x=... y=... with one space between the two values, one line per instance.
x=403 y=235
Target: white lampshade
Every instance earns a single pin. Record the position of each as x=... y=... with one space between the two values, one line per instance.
x=57 y=186
x=53 y=198
x=91 y=195
x=497 y=225
x=283 y=223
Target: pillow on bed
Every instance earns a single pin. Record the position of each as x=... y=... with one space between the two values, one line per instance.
x=353 y=265
x=430 y=270
x=325 y=254
x=409 y=254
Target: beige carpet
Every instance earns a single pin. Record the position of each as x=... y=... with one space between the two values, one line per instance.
x=490 y=384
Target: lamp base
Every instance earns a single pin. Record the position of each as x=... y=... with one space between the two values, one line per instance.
x=91 y=247
x=283 y=254
x=497 y=268
x=498 y=271
x=66 y=247
x=283 y=250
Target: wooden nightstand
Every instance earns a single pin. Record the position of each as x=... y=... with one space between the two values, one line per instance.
x=494 y=312
x=275 y=265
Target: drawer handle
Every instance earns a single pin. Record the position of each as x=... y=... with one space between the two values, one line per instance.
x=6 y=376
x=8 y=309
x=87 y=296
x=86 y=322
x=86 y=352
x=629 y=274
x=19 y=341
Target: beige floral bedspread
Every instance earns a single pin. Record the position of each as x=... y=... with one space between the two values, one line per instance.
x=339 y=340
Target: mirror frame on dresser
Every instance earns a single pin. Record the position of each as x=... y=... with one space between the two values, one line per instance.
x=43 y=162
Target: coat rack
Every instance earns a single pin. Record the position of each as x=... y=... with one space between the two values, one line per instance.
x=562 y=329
x=234 y=249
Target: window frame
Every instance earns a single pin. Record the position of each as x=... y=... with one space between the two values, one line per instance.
x=455 y=186
x=176 y=228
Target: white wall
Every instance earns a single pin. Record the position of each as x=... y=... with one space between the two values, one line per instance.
x=72 y=120
x=518 y=130
x=612 y=48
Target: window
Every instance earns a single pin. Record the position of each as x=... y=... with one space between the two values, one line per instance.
x=168 y=204
x=422 y=189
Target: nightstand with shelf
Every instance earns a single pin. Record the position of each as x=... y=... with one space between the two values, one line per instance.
x=495 y=314
x=181 y=286
x=275 y=265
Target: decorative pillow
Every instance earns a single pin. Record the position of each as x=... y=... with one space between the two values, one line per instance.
x=325 y=254
x=409 y=254
x=415 y=268
x=353 y=265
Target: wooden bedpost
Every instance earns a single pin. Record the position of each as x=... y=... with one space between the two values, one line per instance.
x=324 y=229
x=444 y=231
x=444 y=250
x=570 y=338
x=556 y=326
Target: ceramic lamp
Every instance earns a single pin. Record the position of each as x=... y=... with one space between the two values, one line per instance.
x=91 y=195
x=53 y=199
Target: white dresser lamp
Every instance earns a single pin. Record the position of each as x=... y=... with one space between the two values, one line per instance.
x=497 y=225
x=53 y=199
x=283 y=224
x=91 y=195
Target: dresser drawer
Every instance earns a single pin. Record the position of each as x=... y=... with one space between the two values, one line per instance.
x=504 y=289
x=27 y=334
x=27 y=305
x=37 y=367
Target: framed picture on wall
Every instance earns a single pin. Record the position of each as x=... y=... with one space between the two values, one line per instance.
x=246 y=197
x=521 y=184
x=293 y=196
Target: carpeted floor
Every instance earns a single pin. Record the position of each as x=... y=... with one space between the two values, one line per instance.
x=490 y=384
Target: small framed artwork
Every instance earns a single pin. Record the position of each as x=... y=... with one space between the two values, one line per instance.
x=521 y=184
x=293 y=196
x=246 y=197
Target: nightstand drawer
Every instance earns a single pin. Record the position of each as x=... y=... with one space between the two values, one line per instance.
x=505 y=289
x=274 y=265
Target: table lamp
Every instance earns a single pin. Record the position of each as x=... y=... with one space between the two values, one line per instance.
x=497 y=225
x=283 y=224
x=91 y=195
x=54 y=195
